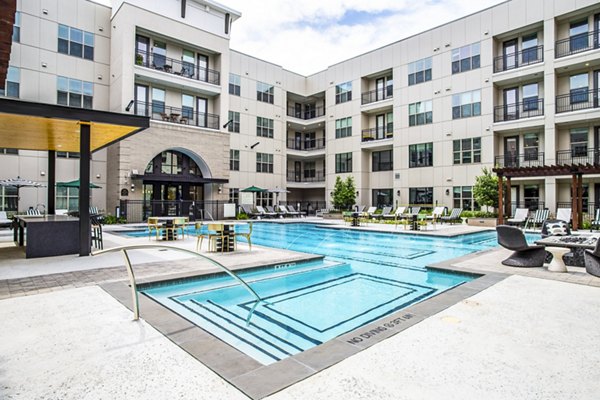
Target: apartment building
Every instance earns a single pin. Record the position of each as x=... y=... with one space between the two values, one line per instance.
x=413 y=122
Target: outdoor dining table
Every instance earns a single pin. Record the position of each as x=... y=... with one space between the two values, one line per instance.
x=559 y=245
x=168 y=233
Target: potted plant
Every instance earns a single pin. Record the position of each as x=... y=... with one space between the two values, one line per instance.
x=139 y=59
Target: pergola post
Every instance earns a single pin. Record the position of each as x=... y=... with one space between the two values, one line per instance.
x=51 y=201
x=84 y=189
x=574 y=202
x=508 y=206
x=580 y=200
x=500 y=205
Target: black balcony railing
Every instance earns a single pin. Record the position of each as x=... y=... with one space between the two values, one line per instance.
x=531 y=158
x=577 y=44
x=306 y=144
x=532 y=55
x=306 y=176
x=379 y=133
x=525 y=109
x=532 y=204
x=377 y=95
x=577 y=156
x=306 y=112
x=188 y=116
x=578 y=99
x=181 y=68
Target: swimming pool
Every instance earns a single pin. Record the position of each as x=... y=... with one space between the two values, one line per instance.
x=364 y=277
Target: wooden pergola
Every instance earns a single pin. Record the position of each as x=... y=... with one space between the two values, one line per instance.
x=575 y=170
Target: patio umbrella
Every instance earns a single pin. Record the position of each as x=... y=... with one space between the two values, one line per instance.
x=253 y=189
x=75 y=184
x=277 y=191
x=18 y=183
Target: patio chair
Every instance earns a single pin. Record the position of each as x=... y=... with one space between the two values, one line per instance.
x=213 y=233
x=33 y=211
x=436 y=214
x=153 y=225
x=524 y=255
x=384 y=211
x=265 y=213
x=96 y=234
x=246 y=208
x=453 y=217
x=4 y=221
x=557 y=227
x=270 y=209
x=519 y=217
x=592 y=260
x=247 y=236
x=293 y=211
x=370 y=212
x=564 y=214
x=596 y=221
x=398 y=213
x=179 y=225
x=538 y=219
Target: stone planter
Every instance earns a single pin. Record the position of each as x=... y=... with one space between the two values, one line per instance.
x=332 y=215
x=486 y=222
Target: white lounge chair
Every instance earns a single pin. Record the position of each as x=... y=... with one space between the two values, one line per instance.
x=564 y=214
x=519 y=218
x=4 y=220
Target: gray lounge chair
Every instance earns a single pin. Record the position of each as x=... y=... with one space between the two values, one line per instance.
x=453 y=217
x=592 y=260
x=264 y=213
x=524 y=255
x=248 y=211
x=293 y=211
x=385 y=211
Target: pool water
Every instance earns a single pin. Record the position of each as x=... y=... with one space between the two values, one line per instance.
x=364 y=277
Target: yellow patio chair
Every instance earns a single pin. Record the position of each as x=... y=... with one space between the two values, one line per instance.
x=246 y=235
x=153 y=225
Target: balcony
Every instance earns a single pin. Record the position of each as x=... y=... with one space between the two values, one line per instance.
x=306 y=176
x=577 y=100
x=307 y=113
x=577 y=44
x=578 y=156
x=180 y=68
x=306 y=145
x=186 y=116
x=516 y=111
x=531 y=158
x=532 y=55
x=379 y=133
x=377 y=95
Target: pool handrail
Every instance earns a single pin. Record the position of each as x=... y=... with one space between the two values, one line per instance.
x=132 y=282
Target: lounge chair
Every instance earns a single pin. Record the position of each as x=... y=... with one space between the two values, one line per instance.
x=538 y=219
x=436 y=214
x=278 y=214
x=246 y=208
x=293 y=211
x=397 y=214
x=265 y=213
x=415 y=210
x=596 y=221
x=524 y=255
x=453 y=217
x=519 y=218
x=592 y=260
x=564 y=214
x=370 y=212
x=384 y=211
x=4 y=221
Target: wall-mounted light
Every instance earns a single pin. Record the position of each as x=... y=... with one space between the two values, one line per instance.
x=254 y=145
x=42 y=173
x=487 y=80
x=44 y=65
x=227 y=123
x=220 y=189
x=448 y=133
x=398 y=192
x=447 y=192
x=101 y=29
x=448 y=179
x=447 y=45
x=357 y=193
x=129 y=106
x=97 y=176
x=44 y=11
x=133 y=187
x=486 y=33
x=99 y=77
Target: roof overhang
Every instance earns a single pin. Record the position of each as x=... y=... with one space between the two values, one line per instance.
x=7 y=21
x=37 y=126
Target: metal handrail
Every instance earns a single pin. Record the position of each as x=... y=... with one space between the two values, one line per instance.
x=577 y=43
x=531 y=55
x=577 y=99
x=132 y=282
x=189 y=70
x=533 y=107
x=373 y=96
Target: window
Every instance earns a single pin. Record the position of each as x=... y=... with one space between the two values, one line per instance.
x=8 y=199
x=235 y=82
x=310 y=169
x=420 y=155
x=234 y=195
x=343 y=127
x=16 y=34
x=264 y=162
x=264 y=199
x=9 y=151
x=67 y=154
x=466 y=58
x=420 y=113
x=187 y=106
x=343 y=163
x=264 y=127
x=159 y=55
x=530 y=50
x=419 y=71
x=530 y=146
x=12 y=85
x=579 y=88
x=234 y=160
x=158 y=101
x=74 y=93
x=467 y=104
x=234 y=125
x=264 y=92
x=343 y=92
x=579 y=142
x=578 y=35
x=531 y=196
x=171 y=163
x=382 y=197
x=67 y=198
x=530 y=97
x=467 y=151
x=383 y=161
x=75 y=42
x=463 y=197
x=420 y=195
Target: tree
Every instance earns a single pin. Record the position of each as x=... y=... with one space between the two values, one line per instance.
x=350 y=192
x=343 y=195
x=485 y=190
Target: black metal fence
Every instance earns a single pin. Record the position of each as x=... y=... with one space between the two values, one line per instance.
x=525 y=109
x=578 y=156
x=528 y=159
x=378 y=133
x=577 y=100
x=577 y=43
x=185 y=115
x=306 y=144
x=377 y=95
x=521 y=58
x=185 y=69
x=531 y=204
x=589 y=208
x=306 y=176
x=306 y=112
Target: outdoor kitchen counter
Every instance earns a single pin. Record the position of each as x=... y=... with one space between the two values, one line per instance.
x=47 y=235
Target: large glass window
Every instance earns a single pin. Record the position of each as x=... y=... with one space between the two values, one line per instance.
x=67 y=198
x=171 y=163
x=467 y=104
x=4 y=150
x=13 y=83
x=264 y=162
x=466 y=58
x=158 y=101
x=159 y=55
x=579 y=88
x=343 y=163
x=420 y=155
x=264 y=127
x=467 y=151
x=382 y=197
x=16 y=35
x=75 y=42
x=234 y=195
x=530 y=97
x=188 y=67
x=531 y=144
x=343 y=92
x=8 y=198
x=74 y=93
x=234 y=160
x=383 y=161
x=419 y=71
x=578 y=35
x=579 y=142
x=264 y=92
x=463 y=197
x=234 y=125
x=531 y=197
x=420 y=195
x=187 y=106
x=529 y=46
x=343 y=127
x=310 y=169
x=420 y=113
x=235 y=82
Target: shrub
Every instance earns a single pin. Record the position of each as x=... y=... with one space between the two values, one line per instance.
x=112 y=219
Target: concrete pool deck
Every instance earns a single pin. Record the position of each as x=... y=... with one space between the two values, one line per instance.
x=524 y=337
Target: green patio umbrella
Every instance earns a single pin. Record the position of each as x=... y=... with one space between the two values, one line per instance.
x=75 y=184
x=253 y=189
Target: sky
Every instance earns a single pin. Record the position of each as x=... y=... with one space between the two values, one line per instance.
x=307 y=36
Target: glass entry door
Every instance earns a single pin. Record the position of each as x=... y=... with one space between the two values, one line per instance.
x=509 y=53
x=511 y=151
x=511 y=106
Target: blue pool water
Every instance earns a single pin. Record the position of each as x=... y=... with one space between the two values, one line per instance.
x=365 y=276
